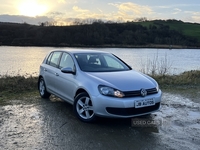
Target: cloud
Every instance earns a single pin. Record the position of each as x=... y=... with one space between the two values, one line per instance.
x=187 y=16
x=177 y=6
x=194 y=16
x=176 y=11
x=129 y=11
x=61 y=1
x=84 y=13
x=24 y=19
x=133 y=8
x=8 y=7
x=66 y=11
x=122 y=11
x=100 y=10
x=77 y=9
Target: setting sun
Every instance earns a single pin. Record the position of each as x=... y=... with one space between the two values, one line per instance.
x=31 y=8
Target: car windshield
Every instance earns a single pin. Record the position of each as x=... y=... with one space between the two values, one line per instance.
x=100 y=62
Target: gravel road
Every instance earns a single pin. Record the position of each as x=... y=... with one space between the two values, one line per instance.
x=36 y=123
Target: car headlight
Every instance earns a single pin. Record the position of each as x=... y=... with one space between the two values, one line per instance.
x=108 y=91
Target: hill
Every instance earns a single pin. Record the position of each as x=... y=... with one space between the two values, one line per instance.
x=188 y=29
x=157 y=33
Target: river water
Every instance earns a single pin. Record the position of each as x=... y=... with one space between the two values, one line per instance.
x=26 y=60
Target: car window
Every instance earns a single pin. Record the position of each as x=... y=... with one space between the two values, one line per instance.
x=100 y=62
x=54 y=59
x=113 y=62
x=66 y=61
x=49 y=59
x=93 y=59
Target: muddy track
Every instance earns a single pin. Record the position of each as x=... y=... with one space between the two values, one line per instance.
x=51 y=124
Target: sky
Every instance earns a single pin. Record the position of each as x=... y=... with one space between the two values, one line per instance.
x=65 y=12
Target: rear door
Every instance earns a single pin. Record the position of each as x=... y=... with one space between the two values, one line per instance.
x=51 y=69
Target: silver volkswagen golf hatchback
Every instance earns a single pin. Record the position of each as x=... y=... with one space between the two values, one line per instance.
x=97 y=83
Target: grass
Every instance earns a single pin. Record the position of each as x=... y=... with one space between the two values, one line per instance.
x=187 y=84
x=188 y=29
x=187 y=79
x=19 y=86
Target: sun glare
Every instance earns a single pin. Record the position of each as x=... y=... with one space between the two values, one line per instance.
x=31 y=8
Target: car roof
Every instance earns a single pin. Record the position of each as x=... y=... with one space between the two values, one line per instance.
x=75 y=51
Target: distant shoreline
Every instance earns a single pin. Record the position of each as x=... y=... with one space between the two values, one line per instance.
x=157 y=34
x=155 y=46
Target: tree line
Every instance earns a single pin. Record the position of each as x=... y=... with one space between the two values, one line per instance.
x=94 y=34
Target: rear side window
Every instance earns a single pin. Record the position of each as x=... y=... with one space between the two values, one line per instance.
x=49 y=58
x=53 y=59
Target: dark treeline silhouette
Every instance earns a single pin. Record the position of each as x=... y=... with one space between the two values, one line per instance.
x=95 y=34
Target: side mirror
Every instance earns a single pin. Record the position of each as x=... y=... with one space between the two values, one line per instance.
x=68 y=70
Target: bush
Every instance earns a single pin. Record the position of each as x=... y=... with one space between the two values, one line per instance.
x=156 y=66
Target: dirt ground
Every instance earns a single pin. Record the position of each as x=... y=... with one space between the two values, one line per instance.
x=36 y=123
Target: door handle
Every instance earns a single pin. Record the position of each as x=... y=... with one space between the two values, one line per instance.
x=56 y=74
x=45 y=69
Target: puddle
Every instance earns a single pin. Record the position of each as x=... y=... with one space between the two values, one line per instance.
x=21 y=125
x=181 y=122
x=52 y=125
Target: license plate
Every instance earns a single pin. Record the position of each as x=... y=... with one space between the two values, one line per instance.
x=144 y=103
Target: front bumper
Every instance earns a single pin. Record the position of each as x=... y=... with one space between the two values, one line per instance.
x=123 y=107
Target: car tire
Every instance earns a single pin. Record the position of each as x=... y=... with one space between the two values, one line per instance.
x=83 y=108
x=42 y=89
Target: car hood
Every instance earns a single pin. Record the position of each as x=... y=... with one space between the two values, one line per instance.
x=124 y=80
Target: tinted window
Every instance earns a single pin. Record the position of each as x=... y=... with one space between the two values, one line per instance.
x=54 y=59
x=100 y=62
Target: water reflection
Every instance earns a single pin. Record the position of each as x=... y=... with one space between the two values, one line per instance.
x=51 y=124
x=26 y=60
x=21 y=60
x=20 y=127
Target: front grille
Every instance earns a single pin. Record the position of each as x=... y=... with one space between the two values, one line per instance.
x=132 y=110
x=138 y=93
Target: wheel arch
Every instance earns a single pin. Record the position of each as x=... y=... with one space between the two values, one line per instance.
x=82 y=93
x=80 y=90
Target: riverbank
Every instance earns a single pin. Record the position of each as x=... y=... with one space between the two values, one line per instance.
x=187 y=84
x=150 y=46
